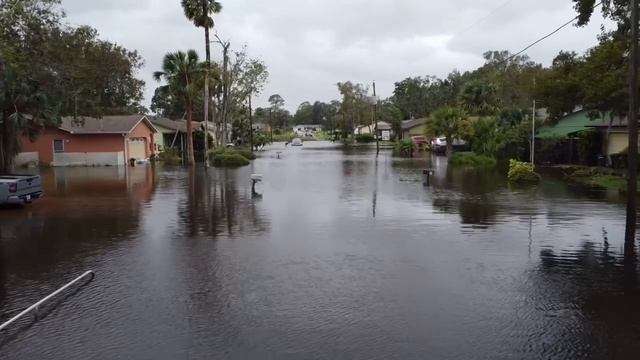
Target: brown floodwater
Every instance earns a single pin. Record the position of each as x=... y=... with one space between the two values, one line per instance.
x=335 y=255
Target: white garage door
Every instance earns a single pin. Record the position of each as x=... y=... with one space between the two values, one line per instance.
x=137 y=148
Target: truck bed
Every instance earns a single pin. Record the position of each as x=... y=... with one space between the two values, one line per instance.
x=19 y=188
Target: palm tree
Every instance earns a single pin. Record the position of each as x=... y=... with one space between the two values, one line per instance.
x=480 y=98
x=183 y=73
x=450 y=122
x=199 y=12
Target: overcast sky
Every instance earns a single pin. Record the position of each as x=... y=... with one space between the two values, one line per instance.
x=310 y=45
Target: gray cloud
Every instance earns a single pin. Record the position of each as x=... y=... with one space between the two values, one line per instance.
x=311 y=45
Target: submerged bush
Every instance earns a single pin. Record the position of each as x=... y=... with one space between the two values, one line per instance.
x=404 y=148
x=471 y=159
x=170 y=157
x=365 y=138
x=522 y=172
x=229 y=157
x=246 y=153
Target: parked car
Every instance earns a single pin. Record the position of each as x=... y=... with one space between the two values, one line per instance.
x=439 y=145
x=19 y=189
x=420 y=141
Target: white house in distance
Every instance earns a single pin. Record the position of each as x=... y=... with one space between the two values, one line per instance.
x=384 y=130
x=307 y=130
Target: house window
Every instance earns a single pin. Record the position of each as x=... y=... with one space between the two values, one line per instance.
x=58 y=146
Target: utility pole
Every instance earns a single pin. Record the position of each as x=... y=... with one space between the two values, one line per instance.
x=375 y=119
x=250 y=124
x=533 y=126
x=630 y=228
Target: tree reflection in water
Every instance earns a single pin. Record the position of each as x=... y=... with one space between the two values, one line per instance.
x=221 y=201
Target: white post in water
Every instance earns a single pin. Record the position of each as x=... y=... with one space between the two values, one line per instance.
x=533 y=125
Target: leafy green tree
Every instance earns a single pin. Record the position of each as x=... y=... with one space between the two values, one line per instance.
x=304 y=114
x=479 y=98
x=25 y=110
x=450 y=122
x=560 y=87
x=50 y=69
x=390 y=113
x=183 y=73
x=604 y=77
x=355 y=109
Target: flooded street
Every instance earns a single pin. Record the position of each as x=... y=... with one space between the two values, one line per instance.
x=336 y=255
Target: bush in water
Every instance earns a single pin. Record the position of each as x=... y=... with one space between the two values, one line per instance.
x=522 y=172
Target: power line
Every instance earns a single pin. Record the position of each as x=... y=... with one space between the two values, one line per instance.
x=492 y=12
x=547 y=36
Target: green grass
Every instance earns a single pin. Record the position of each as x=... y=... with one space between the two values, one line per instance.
x=284 y=137
x=470 y=159
x=605 y=181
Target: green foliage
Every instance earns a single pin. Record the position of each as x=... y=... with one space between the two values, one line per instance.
x=589 y=146
x=365 y=138
x=184 y=75
x=171 y=157
x=260 y=140
x=470 y=159
x=450 y=122
x=193 y=10
x=284 y=136
x=479 y=98
x=49 y=69
x=228 y=157
x=247 y=153
x=393 y=115
x=404 y=148
x=522 y=172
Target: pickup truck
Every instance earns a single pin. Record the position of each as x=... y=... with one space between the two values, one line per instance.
x=19 y=189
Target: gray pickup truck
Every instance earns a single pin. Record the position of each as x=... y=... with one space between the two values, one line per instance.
x=19 y=189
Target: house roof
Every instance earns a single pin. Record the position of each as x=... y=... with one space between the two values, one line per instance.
x=175 y=125
x=117 y=124
x=570 y=124
x=410 y=124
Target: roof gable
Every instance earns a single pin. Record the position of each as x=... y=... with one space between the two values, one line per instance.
x=117 y=124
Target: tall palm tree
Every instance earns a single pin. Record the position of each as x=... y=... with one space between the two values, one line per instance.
x=183 y=73
x=450 y=122
x=200 y=11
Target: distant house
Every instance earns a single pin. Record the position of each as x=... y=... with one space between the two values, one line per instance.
x=561 y=142
x=384 y=130
x=171 y=133
x=261 y=127
x=110 y=140
x=307 y=130
x=413 y=127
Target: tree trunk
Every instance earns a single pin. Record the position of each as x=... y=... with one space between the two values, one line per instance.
x=190 y=157
x=449 y=148
x=7 y=145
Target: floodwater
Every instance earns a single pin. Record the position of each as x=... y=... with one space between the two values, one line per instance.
x=336 y=255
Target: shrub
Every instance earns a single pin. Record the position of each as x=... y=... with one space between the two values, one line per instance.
x=522 y=172
x=170 y=157
x=471 y=159
x=365 y=138
x=246 y=153
x=230 y=160
x=229 y=157
x=288 y=136
x=404 y=148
